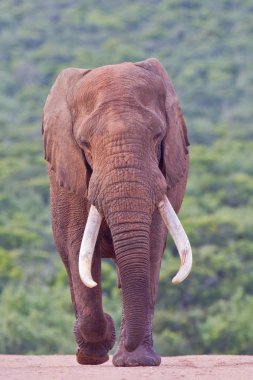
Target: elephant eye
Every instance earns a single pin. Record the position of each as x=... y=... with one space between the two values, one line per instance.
x=157 y=144
x=84 y=143
x=157 y=137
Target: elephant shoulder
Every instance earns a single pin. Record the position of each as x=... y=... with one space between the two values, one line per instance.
x=153 y=65
x=70 y=75
x=63 y=83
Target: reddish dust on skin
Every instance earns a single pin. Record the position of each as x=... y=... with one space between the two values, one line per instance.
x=181 y=367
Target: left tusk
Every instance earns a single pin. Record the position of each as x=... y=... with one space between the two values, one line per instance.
x=88 y=245
x=180 y=238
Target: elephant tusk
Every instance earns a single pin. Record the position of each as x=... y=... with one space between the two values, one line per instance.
x=180 y=238
x=88 y=245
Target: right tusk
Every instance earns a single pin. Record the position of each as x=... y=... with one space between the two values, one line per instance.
x=88 y=245
x=180 y=238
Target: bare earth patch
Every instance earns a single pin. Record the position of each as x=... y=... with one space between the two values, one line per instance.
x=59 y=367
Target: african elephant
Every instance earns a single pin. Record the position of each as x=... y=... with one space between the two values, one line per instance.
x=116 y=150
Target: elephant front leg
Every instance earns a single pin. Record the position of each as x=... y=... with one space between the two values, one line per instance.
x=94 y=330
x=145 y=354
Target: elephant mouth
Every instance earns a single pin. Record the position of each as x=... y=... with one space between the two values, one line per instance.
x=172 y=223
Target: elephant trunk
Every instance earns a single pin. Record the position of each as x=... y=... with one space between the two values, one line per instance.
x=129 y=219
x=133 y=262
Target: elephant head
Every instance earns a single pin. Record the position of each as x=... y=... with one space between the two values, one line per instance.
x=116 y=134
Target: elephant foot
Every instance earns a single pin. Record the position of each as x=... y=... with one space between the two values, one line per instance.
x=142 y=356
x=84 y=359
x=93 y=353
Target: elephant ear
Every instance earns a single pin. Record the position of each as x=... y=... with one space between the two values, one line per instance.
x=63 y=154
x=175 y=160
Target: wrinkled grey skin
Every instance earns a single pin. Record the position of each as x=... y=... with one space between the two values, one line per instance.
x=115 y=137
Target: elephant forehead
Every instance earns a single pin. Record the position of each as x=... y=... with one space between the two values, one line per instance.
x=121 y=86
x=119 y=119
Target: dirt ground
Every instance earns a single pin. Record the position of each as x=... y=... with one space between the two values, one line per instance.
x=173 y=368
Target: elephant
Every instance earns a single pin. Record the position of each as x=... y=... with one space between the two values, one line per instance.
x=116 y=150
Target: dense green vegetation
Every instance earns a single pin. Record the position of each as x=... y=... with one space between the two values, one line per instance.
x=206 y=46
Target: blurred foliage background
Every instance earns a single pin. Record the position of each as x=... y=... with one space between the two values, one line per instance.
x=206 y=47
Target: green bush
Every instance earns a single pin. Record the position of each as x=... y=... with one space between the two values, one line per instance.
x=207 y=50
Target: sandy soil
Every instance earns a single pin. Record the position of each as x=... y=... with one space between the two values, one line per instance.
x=174 y=368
